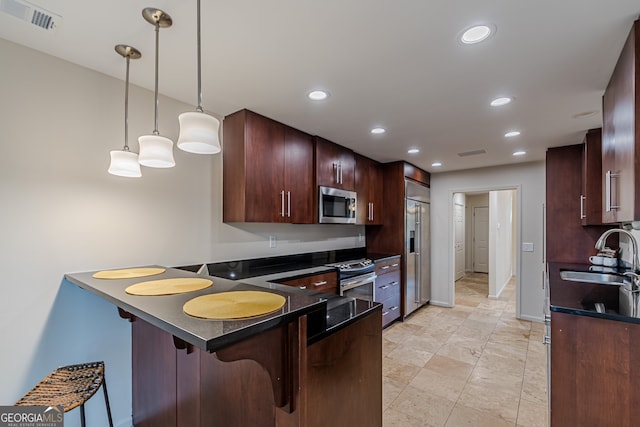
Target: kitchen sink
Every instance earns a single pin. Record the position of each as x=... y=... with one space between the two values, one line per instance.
x=594 y=277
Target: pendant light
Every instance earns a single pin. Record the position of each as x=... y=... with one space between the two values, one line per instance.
x=156 y=151
x=124 y=162
x=198 y=130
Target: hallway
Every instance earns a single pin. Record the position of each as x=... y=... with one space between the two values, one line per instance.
x=471 y=365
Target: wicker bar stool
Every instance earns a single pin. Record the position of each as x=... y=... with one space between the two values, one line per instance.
x=69 y=386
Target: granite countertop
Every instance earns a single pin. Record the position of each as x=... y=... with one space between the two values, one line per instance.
x=326 y=313
x=579 y=297
x=165 y=312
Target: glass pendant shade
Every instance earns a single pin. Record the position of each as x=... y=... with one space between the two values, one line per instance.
x=124 y=163
x=156 y=151
x=198 y=133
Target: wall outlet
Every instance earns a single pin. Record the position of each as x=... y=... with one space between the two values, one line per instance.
x=272 y=241
x=360 y=237
x=527 y=247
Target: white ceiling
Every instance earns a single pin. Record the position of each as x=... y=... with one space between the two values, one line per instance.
x=392 y=63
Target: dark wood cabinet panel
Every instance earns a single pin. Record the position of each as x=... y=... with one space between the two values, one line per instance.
x=267 y=171
x=298 y=176
x=595 y=371
x=270 y=379
x=325 y=282
x=591 y=197
x=368 y=184
x=344 y=377
x=621 y=136
x=566 y=239
x=335 y=165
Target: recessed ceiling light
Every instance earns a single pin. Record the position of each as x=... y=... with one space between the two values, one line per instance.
x=436 y=164
x=318 y=95
x=413 y=150
x=378 y=130
x=503 y=100
x=476 y=34
x=519 y=153
x=512 y=133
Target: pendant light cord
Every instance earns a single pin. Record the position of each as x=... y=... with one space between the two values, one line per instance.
x=199 y=108
x=155 y=122
x=126 y=108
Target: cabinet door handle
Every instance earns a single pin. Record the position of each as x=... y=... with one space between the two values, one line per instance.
x=384 y=313
x=340 y=173
x=383 y=287
x=394 y=283
x=336 y=166
x=323 y=282
x=371 y=211
x=288 y=204
x=394 y=308
x=609 y=206
x=582 y=199
x=394 y=265
x=302 y=287
x=386 y=267
x=282 y=203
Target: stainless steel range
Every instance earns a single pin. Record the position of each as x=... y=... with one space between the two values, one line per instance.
x=357 y=278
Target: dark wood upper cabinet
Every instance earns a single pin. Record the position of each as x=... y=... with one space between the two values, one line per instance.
x=335 y=165
x=298 y=176
x=591 y=197
x=267 y=171
x=621 y=136
x=368 y=181
x=567 y=240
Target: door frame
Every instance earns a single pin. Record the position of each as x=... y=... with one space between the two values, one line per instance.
x=452 y=250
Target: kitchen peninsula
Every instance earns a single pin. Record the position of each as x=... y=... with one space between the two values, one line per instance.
x=315 y=361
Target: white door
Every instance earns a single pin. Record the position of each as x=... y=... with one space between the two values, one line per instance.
x=481 y=239
x=458 y=220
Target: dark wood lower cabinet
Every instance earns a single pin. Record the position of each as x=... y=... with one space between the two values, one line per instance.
x=595 y=372
x=272 y=379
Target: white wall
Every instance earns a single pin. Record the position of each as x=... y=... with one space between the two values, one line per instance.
x=500 y=241
x=62 y=212
x=529 y=180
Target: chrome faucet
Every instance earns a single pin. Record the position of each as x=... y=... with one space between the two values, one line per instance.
x=634 y=244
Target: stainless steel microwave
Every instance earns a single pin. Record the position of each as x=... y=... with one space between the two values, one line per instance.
x=336 y=206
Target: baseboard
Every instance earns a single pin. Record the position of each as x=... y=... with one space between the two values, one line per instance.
x=440 y=303
x=531 y=318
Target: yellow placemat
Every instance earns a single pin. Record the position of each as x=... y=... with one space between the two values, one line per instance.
x=233 y=305
x=173 y=286
x=128 y=273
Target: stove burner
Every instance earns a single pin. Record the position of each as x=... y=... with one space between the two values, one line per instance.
x=351 y=268
x=353 y=265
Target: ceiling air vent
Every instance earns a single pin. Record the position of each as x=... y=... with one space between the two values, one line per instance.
x=31 y=13
x=472 y=153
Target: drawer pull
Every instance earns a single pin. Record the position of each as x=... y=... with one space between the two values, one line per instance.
x=384 y=287
x=384 y=313
x=302 y=287
x=394 y=265
x=324 y=282
x=394 y=283
x=386 y=267
x=394 y=308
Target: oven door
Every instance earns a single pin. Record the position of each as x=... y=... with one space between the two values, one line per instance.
x=360 y=287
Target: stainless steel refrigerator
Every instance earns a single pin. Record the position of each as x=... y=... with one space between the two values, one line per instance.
x=417 y=252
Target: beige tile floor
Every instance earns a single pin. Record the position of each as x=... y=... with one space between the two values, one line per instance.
x=471 y=365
